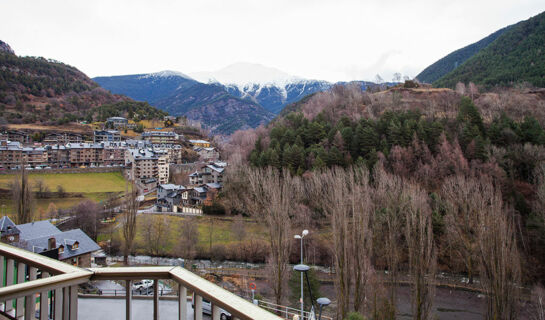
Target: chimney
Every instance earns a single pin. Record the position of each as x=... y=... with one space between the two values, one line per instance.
x=51 y=243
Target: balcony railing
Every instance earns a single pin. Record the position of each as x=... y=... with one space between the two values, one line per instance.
x=33 y=284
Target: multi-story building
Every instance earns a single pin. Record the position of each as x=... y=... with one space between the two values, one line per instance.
x=106 y=136
x=161 y=137
x=207 y=154
x=58 y=156
x=117 y=122
x=147 y=163
x=85 y=154
x=11 y=154
x=210 y=173
x=200 y=143
x=113 y=154
x=163 y=166
x=15 y=135
x=175 y=154
x=34 y=156
x=62 y=138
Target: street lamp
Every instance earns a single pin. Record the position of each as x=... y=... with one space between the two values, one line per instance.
x=301 y=236
x=323 y=302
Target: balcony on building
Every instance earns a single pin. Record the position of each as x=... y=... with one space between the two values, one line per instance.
x=33 y=286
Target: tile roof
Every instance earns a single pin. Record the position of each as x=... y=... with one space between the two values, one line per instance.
x=66 y=239
x=37 y=229
x=7 y=227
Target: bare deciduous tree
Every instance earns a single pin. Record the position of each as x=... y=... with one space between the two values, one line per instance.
x=389 y=225
x=421 y=250
x=537 y=307
x=156 y=229
x=22 y=197
x=238 y=228
x=331 y=189
x=189 y=238
x=461 y=219
x=85 y=217
x=498 y=254
x=362 y=236
x=461 y=88
x=41 y=189
x=129 y=220
x=345 y=197
x=52 y=211
x=270 y=197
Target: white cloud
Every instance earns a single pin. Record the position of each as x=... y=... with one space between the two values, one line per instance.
x=331 y=40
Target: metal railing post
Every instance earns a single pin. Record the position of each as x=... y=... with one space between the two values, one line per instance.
x=128 y=299
x=156 y=299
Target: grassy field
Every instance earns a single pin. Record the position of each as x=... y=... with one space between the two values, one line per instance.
x=75 y=182
x=222 y=231
x=92 y=186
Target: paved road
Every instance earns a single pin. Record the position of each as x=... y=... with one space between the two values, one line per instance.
x=114 y=309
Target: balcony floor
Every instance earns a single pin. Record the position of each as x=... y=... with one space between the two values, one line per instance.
x=114 y=309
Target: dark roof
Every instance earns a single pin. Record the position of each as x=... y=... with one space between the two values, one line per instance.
x=7 y=227
x=66 y=239
x=37 y=229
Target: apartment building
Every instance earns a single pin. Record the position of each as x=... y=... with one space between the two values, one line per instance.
x=106 y=136
x=62 y=138
x=161 y=137
x=200 y=143
x=210 y=173
x=147 y=163
x=117 y=122
x=11 y=154
x=85 y=154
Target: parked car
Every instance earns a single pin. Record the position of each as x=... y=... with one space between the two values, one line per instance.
x=207 y=309
x=142 y=286
x=89 y=288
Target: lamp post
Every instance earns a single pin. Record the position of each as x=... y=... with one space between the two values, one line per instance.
x=301 y=236
x=323 y=302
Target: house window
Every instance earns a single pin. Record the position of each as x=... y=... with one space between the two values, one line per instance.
x=75 y=245
x=61 y=249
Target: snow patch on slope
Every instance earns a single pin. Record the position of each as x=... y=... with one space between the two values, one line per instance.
x=166 y=74
x=246 y=75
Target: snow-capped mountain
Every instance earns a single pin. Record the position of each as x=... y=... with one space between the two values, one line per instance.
x=150 y=87
x=166 y=74
x=271 y=88
x=180 y=95
x=242 y=74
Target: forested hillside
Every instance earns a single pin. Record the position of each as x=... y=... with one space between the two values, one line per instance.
x=38 y=90
x=514 y=57
x=448 y=174
x=456 y=58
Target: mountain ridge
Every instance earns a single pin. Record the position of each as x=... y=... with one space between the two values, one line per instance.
x=454 y=59
x=180 y=95
x=515 y=57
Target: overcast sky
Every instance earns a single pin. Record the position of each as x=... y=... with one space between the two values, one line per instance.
x=318 y=39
